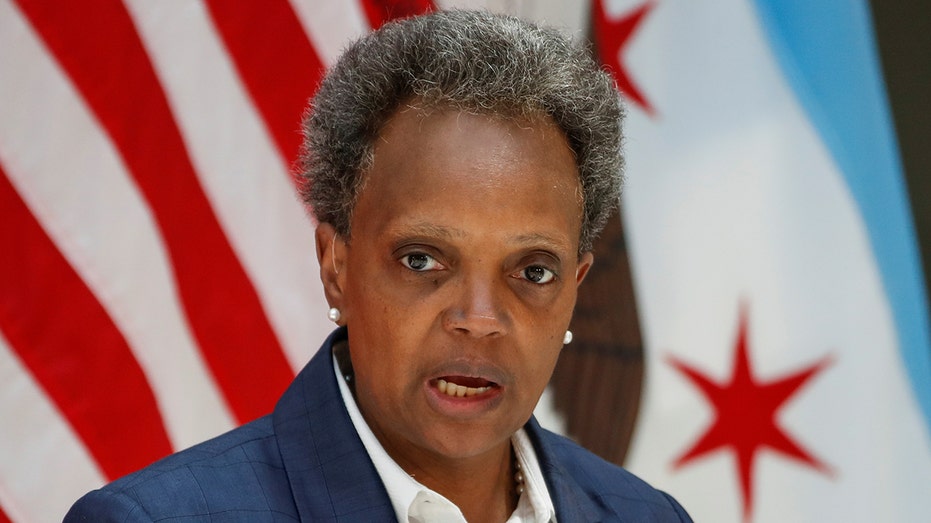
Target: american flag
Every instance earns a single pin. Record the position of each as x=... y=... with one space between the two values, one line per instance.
x=159 y=282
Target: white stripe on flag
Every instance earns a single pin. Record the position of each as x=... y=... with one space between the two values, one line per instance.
x=246 y=180
x=331 y=25
x=732 y=199
x=43 y=465
x=82 y=197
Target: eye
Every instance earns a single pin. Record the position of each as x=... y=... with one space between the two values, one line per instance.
x=538 y=274
x=419 y=262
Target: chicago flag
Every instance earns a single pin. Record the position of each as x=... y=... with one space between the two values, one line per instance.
x=776 y=271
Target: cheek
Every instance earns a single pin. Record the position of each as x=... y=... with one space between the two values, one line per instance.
x=548 y=360
x=381 y=292
x=547 y=322
x=539 y=359
x=375 y=306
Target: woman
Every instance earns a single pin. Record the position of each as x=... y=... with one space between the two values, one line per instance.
x=459 y=165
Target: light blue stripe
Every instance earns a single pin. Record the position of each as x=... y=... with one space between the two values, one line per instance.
x=827 y=52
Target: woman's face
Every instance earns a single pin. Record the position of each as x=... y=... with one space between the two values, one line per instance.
x=460 y=278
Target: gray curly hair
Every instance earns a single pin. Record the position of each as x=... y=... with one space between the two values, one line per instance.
x=469 y=61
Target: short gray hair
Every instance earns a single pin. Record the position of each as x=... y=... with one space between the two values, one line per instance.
x=470 y=61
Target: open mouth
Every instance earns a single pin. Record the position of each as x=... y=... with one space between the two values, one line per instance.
x=462 y=386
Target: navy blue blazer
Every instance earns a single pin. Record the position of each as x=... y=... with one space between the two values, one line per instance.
x=305 y=462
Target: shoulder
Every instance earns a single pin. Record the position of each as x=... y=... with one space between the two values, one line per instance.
x=614 y=492
x=238 y=472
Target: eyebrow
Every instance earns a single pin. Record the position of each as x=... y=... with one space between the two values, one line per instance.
x=529 y=239
x=433 y=231
x=536 y=239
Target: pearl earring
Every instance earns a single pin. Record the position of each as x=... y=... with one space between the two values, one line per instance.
x=567 y=339
x=333 y=314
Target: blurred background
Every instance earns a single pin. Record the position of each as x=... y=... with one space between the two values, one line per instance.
x=752 y=339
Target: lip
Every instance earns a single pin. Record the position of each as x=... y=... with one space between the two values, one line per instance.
x=470 y=406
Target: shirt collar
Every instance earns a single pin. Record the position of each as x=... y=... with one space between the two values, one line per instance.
x=535 y=504
x=414 y=502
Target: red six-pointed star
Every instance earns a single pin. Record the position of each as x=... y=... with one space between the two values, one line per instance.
x=745 y=415
x=612 y=36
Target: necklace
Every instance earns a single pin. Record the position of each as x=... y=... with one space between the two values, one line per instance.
x=518 y=478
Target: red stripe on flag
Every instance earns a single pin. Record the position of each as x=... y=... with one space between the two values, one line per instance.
x=72 y=347
x=381 y=11
x=3 y=517
x=275 y=61
x=96 y=43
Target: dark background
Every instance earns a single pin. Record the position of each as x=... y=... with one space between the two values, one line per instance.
x=903 y=30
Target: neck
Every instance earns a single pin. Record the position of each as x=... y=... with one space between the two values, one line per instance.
x=483 y=487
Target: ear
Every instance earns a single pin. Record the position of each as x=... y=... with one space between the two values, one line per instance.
x=331 y=256
x=585 y=263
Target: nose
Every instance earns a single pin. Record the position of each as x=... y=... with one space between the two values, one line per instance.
x=476 y=309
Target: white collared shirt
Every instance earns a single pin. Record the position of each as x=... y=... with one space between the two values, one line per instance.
x=415 y=503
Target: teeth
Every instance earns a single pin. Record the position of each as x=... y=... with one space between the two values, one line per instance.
x=459 y=391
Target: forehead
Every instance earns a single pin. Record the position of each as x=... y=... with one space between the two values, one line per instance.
x=440 y=168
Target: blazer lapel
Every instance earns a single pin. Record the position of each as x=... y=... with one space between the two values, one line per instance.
x=570 y=500
x=331 y=475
